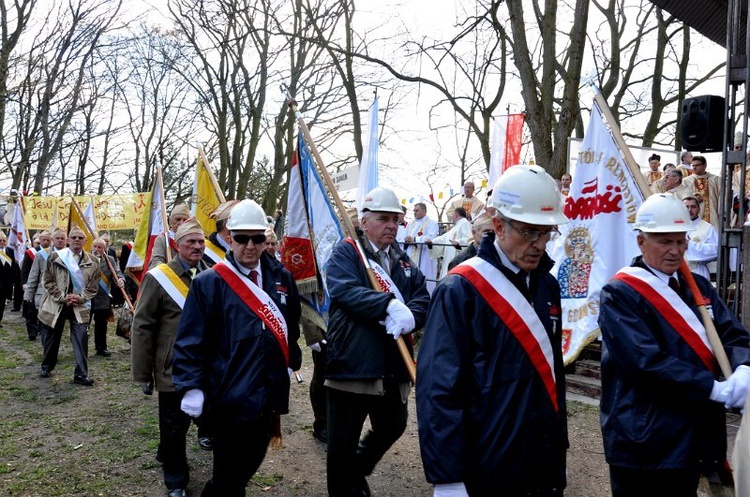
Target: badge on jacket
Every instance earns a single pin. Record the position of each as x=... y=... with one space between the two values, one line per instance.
x=281 y=290
x=406 y=267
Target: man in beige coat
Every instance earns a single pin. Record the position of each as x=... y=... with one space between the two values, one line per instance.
x=71 y=280
x=163 y=293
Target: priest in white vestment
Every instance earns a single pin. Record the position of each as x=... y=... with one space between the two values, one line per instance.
x=453 y=241
x=419 y=231
x=703 y=241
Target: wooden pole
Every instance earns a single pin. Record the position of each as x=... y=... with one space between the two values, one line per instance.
x=217 y=188
x=713 y=336
x=348 y=226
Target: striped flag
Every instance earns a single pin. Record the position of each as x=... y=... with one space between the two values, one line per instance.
x=153 y=224
x=312 y=231
x=507 y=138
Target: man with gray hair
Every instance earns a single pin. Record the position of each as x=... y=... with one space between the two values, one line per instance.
x=71 y=280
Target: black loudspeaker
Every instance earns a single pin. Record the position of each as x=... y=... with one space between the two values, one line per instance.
x=702 y=123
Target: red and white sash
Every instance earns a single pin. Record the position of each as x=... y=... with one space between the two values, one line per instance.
x=384 y=279
x=258 y=301
x=31 y=253
x=517 y=314
x=672 y=308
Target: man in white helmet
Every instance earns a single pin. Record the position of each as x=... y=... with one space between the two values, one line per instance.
x=490 y=380
x=662 y=405
x=365 y=374
x=236 y=346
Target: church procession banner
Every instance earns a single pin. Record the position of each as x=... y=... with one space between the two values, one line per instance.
x=599 y=240
x=113 y=212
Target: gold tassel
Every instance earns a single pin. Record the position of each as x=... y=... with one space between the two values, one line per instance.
x=275 y=442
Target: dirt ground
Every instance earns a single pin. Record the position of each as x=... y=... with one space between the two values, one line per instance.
x=60 y=439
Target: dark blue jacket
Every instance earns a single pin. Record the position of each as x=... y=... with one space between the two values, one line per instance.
x=224 y=349
x=655 y=407
x=485 y=417
x=358 y=346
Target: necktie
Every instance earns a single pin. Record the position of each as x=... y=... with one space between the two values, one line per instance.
x=675 y=285
x=522 y=281
x=254 y=276
x=383 y=257
x=193 y=272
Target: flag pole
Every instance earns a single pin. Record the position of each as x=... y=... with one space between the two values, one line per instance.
x=712 y=334
x=348 y=226
x=207 y=166
x=164 y=218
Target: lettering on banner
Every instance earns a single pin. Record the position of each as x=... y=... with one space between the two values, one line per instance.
x=614 y=198
x=588 y=309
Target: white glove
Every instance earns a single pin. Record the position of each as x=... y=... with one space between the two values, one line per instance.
x=737 y=387
x=400 y=320
x=716 y=392
x=316 y=346
x=450 y=490
x=192 y=403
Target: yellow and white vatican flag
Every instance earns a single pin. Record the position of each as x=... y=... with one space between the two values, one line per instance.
x=599 y=240
x=206 y=194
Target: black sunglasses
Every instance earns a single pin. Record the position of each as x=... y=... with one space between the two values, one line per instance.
x=243 y=239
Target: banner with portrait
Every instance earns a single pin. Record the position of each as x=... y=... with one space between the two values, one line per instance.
x=599 y=240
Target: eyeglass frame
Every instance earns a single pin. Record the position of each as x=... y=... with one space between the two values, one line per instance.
x=254 y=238
x=533 y=235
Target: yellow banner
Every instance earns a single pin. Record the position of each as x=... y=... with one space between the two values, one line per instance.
x=113 y=212
x=206 y=198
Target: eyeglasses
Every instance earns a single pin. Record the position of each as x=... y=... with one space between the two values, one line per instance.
x=243 y=239
x=534 y=235
x=77 y=237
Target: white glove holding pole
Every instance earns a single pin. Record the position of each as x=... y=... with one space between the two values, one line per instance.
x=450 y=490
x=737 y=387
x=716 y=392
x=400 y=320
x=192 y=403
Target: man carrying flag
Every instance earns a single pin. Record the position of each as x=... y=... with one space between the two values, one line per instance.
x=71 y=280
x=365 y=374
x=490 y=378
x=662 y=406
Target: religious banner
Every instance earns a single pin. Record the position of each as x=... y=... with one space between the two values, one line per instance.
x=599 y=240
x=206 y=194
x=113 y=212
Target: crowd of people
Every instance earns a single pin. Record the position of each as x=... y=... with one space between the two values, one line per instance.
x=218 y=321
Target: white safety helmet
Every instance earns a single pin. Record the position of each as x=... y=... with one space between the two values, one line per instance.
x=526 y=193
x=247 y=215
x=663 y=213
x=381 y=199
